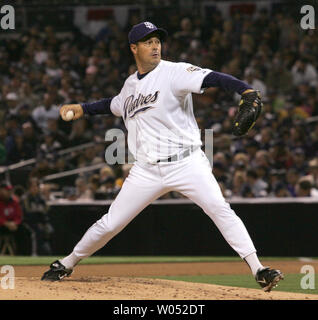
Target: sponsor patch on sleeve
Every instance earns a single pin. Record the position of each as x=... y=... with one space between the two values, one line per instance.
x=193 y=68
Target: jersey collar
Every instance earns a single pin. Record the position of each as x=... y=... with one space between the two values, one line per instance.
x=141 y=76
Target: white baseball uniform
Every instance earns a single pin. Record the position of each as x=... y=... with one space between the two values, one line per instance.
x=158 y=113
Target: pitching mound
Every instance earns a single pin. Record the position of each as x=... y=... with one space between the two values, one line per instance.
x=127 y=282
x=120 y=288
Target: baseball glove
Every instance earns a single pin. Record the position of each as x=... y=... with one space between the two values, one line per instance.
x=249 y=109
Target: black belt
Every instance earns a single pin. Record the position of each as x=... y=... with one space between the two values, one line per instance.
x=176 y=157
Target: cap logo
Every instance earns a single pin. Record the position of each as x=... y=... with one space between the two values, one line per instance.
x=149 y=25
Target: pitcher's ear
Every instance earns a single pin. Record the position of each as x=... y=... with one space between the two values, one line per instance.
x=133 y=48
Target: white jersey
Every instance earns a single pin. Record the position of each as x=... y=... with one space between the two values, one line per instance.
x=158 y=110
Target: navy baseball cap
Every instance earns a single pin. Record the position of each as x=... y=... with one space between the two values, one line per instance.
x=143 y=29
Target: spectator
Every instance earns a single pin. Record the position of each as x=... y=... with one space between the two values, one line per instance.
x=36 y=217
x=10 y=211
x=80 y=133
x=41 y=54
x=262 y=159
x=297 y=139
x=24 y=116
x=3 y=145
x=313 y=172
x=292 y=177
x=262 y=172
x=281 y=191
x=279 y=155
x=257 y=186
x=83 y=192
x=185 y=34
x=251 y=147
x=276 y=176
x=251 y=77
x=108 y=188
x=46 y=190
x=20 y=150
x=27 y=95
x=266 y=137
x=30 y=139
x=19 y=192
x=49 y=147
x=57 y=134
x=304 y=72
x=12 y=101
x=238 y=183
x=52 y=69
x=43 y=113
x=105 y=173
x=222 y=158
x=65 y=89
x=94 y=184
x=303 y=188
x=241 y=160
x=12 y=125
x=247 y=192
x=299 y=163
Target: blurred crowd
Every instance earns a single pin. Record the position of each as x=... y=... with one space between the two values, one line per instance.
x=42 y=70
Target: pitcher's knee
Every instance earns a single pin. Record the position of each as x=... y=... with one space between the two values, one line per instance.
x=109 y=226
x=220 y=207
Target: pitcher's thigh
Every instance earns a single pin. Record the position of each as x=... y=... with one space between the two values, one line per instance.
x=199 y=184
x=130 y=201
x=206 y=193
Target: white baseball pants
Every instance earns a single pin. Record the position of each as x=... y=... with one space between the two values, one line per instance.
x=191 y=176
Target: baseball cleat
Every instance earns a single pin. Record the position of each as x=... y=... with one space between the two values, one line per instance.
x=268 y=278
x=56 y=272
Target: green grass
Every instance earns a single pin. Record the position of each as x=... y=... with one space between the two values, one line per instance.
x=291 y=283
x=24 y=260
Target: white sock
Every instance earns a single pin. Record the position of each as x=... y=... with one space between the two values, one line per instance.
x=253 y=262
x=70 y=261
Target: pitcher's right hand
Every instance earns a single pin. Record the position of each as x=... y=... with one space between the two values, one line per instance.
x=76 y=108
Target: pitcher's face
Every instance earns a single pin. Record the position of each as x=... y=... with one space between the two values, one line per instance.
x=147 y=52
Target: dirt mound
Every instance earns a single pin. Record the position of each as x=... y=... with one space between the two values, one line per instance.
x=124 y=288
x=127 y=282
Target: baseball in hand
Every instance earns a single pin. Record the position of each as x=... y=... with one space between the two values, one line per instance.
x=69 y=115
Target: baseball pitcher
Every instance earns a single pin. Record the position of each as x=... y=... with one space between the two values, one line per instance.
x=163 y=136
